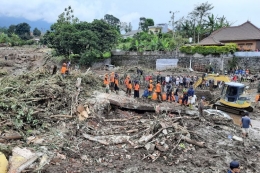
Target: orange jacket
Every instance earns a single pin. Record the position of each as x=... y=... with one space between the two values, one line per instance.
x=126 y=81
x=129 y=86
x=63 y=69
x=151 y=87
x=257 y=97
x=137 y=87
x=116 y=81
x=158 y=87
x=112 y=78
x=106 y=80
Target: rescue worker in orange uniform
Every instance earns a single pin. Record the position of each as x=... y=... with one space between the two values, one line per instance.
x=159 y=91
x=136 y=89
x=126 y=81
x=257 y=100
x=129 y=88
x=112 y=81
x=63 y=69
x=150 y=88
x=106 y=83
x=116 y=83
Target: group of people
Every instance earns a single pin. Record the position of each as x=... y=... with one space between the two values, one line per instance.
x=170 y=88
x=111 y=82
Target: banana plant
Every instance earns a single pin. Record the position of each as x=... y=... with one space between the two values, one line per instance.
x=165 y=45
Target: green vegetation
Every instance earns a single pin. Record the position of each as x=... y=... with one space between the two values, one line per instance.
x=145 y=23
x=145 y=41
x=200 y=23
x=36 y=32
x=91 y=41
x=206 y=50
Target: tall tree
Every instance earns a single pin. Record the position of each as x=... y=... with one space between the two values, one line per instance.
x=149 y=22
x=145 y=23
x=36 y=32
x=3 y=30
x=113 y=21
x=126 y=27
x=11 y=30
x=200 y=12
x=142 y=23
x=23 y=31
x=90 y=40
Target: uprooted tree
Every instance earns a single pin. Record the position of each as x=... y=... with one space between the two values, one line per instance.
x=89 y=40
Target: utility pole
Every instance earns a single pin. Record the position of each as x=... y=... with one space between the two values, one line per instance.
x=172 y=20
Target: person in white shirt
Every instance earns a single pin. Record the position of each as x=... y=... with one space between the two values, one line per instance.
x=167 y=79
x=177 y=81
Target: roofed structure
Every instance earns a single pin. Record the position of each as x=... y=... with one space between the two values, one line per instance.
x=245 y=34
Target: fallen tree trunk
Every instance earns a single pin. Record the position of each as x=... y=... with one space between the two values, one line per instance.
x=188 y=140
x=12 y=137
x=108 y=140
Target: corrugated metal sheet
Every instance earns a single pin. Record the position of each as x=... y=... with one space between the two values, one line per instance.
x=163 y=64
x=247 y=54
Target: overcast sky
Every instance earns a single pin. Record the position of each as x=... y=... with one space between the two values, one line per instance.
x=236 y=11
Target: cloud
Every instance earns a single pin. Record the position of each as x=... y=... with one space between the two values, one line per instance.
x=127 y=11
x=48 y=10
x=130 y=17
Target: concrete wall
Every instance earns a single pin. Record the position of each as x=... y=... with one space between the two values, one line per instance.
x=101 y=63
x=148 y=59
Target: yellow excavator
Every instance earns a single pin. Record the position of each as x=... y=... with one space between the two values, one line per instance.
x=233 y=97
x=217 y=77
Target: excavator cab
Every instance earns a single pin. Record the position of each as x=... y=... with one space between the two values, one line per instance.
x=232 y=92
x=233 y=95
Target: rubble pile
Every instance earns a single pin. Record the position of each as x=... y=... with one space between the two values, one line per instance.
x=31 y=97
x=50 y=124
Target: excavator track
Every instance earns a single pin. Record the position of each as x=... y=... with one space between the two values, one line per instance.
x=233 y=110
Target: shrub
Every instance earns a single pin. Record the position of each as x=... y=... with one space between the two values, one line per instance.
x=106 y=55
x=206 y=50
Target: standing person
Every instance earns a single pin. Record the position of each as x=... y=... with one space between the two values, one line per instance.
x=177 y=81
x=201 y=106
x=54 y=70
x=158 y=78
x=126 y=82
x=184 y=81
x=234 y=167
x=159 y=91
x=169 y=91
x=181 y=81
x=167 y=78
x=257 y=100
x=139 y=72
x=112 y=81
x=173 y=80
x=245 y=123
x=106 y=82
x=188 y=79
x=116 y=83
x=176 y=94
x=68 y=67
x=150 y=88
x=190 y=95
x=185 y=96
x=136 y=89
x=63 y=70
x=129 y=88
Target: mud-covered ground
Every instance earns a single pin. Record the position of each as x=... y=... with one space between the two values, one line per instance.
x=112 y=139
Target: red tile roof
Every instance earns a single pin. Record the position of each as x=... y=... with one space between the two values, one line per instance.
x=246 y=31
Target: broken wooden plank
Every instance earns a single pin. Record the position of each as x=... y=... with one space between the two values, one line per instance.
x=92 y=138
x=115 y=120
